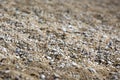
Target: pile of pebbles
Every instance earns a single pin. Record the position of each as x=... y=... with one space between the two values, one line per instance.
x=59 y=40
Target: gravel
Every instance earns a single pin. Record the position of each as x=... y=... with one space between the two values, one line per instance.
x=59 y=40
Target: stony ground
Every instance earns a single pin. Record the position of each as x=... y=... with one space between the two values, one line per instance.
x=59 y=39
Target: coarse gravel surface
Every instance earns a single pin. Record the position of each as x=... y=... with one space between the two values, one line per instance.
x=59 y=39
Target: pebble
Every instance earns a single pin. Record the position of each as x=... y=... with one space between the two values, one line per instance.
x=92 y=70
x=7 y=71
x=1 y=15
x=75 y=64
x=4 y=49
x=48 y=57
x=56 y=76
x=30 y=60
x=18 y=50
x=64 y=29
x=42 y=76
x=62 y=65
x=109 y=62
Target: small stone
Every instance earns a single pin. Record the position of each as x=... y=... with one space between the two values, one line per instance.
x=56 y=79
x=7 y=71
x=109 y=62
x=92 y=70
x=42 y=76
x=56 y=76
x=48 y=57
x=74 y=64
x=70 y=26
x=30 y=59
x=1 y=15
x=64 y=29
x=114 y=77
x=62 y=65
x=5 y=50
x=17 y=50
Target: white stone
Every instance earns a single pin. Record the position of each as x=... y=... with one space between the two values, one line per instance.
x=64 y=29
x=92 y=70
x=42 y=76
